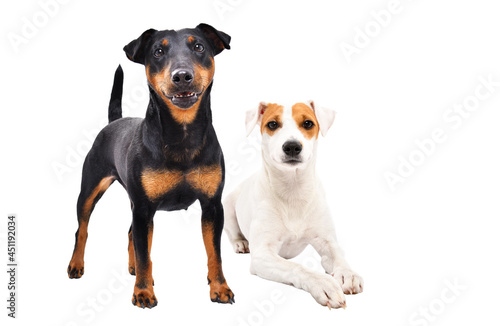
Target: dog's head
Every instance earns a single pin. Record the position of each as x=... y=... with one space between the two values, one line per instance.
x=179 y=64
x=289 y=134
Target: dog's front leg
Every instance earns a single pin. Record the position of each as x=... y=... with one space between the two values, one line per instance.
x=142 y=234
x=334 y=263
x=266 y=263
x=212 y=223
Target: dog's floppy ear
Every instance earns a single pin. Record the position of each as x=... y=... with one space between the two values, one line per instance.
x=219 y=40
x=324 y=116
x=254 y=117
x=136 y=50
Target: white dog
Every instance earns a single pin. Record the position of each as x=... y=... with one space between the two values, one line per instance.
x=282 y=208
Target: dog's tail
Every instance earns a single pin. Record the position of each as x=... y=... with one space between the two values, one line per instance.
x=115 y=103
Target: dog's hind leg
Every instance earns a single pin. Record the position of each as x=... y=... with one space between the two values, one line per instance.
x=231 y=226
x=93 y=187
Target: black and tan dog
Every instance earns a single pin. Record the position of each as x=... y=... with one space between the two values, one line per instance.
x=166 y=161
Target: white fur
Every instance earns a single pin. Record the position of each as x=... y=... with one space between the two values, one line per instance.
x=281 y=209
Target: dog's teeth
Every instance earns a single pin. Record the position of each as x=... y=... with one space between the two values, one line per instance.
x=185 y=95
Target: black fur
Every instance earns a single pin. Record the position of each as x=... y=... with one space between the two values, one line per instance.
x=115 y=103
x=128 y=147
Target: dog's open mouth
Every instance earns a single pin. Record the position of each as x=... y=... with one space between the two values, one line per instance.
x=184 y=100
x=184 y=95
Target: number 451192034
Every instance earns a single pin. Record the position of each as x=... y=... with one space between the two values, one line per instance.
x=11 y=238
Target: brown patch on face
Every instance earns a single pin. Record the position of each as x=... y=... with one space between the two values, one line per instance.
x=158 y=182
x=164 y=42
x=273 y=112
x=161 y=83
x=203 y=75
x=219 y=290
x=158 y=82
x=190 y=39
x=300 y=113
x=205 y=179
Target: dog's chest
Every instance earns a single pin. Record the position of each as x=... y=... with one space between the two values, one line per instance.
x=162 y=182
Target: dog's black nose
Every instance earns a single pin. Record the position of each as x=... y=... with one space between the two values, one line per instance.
x=292 y=148
x=182 y=77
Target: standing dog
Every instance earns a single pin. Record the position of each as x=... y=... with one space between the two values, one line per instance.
x=278 y=211
x=166 y=161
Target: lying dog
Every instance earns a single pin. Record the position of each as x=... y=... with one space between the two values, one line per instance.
x=166 y=161
x=281 y=209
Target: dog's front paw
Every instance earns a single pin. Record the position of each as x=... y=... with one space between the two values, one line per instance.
x=241 y=246
x=75 y=269
x=143 y=298
x=327 y=292
x=221 y=293
x=350 y=281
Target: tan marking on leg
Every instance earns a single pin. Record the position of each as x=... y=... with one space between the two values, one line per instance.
x=158 y=182
x=205 y=179
x=300 y=113
x=273 y=112
x=77 y=261
x=131 y=254
x=143 y=289
x=101 y=187
x=219 y=290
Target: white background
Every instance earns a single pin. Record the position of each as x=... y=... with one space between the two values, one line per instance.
x=409 y=243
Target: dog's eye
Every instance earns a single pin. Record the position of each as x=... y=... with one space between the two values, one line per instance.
x=308 y=124
x=199 y=47
x=159 y=52
x=272 y=125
